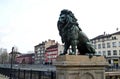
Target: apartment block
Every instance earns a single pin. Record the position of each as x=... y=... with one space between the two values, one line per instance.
x=40 y=51
x=52 y=52
x=108 y=45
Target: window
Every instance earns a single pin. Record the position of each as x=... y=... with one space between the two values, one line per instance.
x=114 y=44
x=119 y=52
x=104 y=53
x=38 y=52
x=108 y=38
x=38 y=55
x=99 y=46
x=94 y=41
x=119 y=44
x=103 y=40
x=95 y=46
x=103 y=45
x=108 y=45
x=98 y=40
x=109 y=52
x=109 y=61
x=99 y=52
x=38 y=49
x=33 y=57
x=114 y=52
x=113 y=38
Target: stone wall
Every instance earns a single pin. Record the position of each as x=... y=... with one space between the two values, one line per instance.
x=80 y=67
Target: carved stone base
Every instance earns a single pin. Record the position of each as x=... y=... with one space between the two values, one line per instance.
x=80 y=67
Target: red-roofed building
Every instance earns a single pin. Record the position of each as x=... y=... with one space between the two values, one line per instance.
x=52 y=52
x=26 y=59
x=40 y=51
x=14 y=55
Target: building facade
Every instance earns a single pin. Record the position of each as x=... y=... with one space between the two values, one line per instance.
x=109 y=46
x=26 y=59
x=40 y=51
x=14 y=55
x=52 y=52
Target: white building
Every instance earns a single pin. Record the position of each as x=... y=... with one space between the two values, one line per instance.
x=109 y=46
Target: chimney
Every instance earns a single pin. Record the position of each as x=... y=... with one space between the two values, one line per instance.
x=104 y=33
x=117 y=29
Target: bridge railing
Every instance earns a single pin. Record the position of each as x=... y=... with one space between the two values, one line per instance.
x=27 y=74
x=112 y=69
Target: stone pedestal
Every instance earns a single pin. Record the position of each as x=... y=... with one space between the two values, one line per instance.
x=80 y=67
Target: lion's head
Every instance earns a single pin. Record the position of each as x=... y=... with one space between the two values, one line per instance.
x=66 y=16
x=65 y=22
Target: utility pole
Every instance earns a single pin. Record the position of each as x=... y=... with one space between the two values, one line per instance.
x=11 y=62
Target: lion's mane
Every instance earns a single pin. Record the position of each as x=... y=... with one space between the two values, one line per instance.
x=70 y=16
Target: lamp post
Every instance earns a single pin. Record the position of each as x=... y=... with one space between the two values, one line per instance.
x=11 y=64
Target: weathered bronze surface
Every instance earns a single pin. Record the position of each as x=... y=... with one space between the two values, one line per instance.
x=72 y=35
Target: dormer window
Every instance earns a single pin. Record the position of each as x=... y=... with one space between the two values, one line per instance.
x=114 y=38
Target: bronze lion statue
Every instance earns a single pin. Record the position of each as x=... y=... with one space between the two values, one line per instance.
x=72 y=35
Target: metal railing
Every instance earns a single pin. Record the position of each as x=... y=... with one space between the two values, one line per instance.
x=27 y=74
x=112 y=69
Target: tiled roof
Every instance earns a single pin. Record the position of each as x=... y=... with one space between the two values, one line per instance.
x=116 y=33
x=53 y=46
x=27 y=55
x=15 y=52
x=105 y=35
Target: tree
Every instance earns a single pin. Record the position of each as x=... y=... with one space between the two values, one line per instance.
x=13 y=54
x=4 y=57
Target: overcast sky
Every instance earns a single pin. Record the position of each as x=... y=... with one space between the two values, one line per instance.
x=26 y=23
